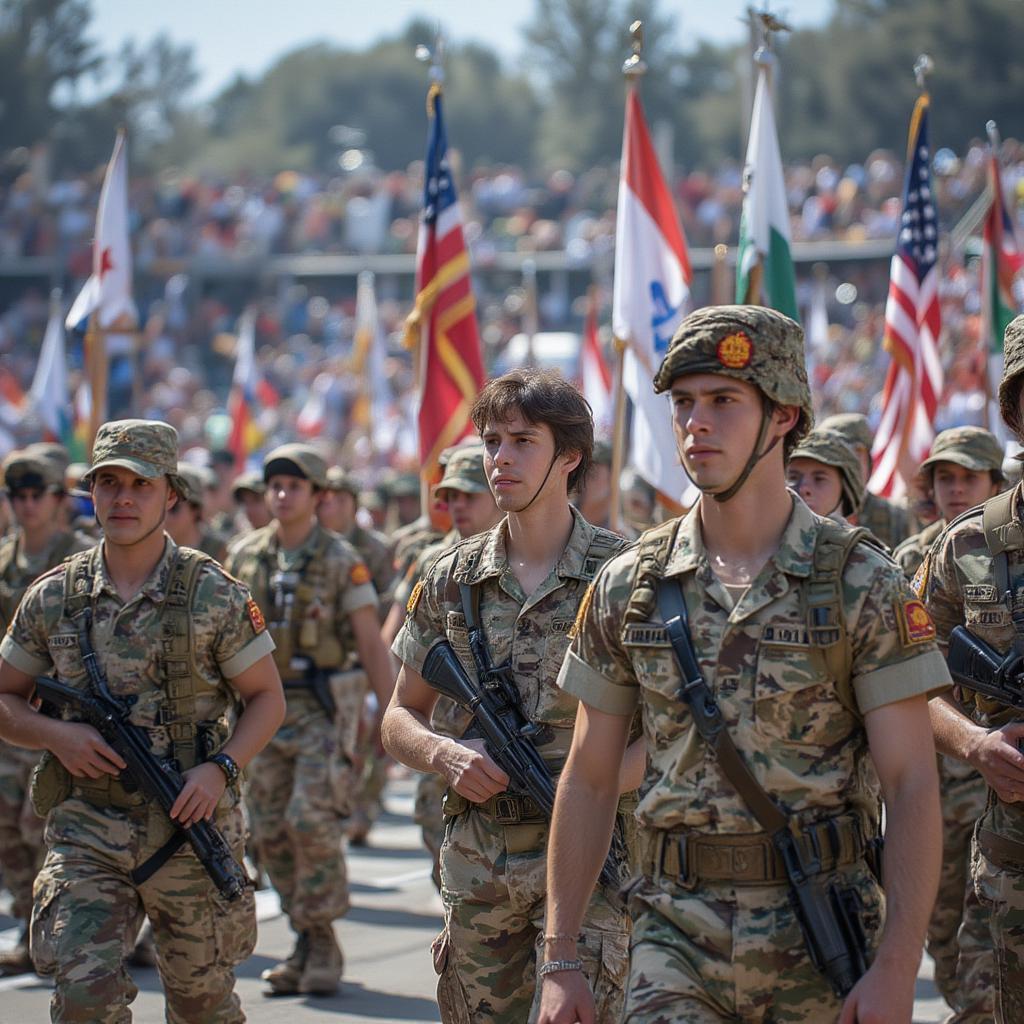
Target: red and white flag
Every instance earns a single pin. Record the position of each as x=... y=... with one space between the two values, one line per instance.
x=914 y=380
x=652 y=286
x=596 y=377
x=245 y=384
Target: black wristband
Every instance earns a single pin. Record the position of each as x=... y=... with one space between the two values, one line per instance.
x=227 y=764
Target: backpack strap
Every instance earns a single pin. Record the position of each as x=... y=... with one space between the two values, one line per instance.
x=653 y=550
x=79 y=573
x=1002 y=532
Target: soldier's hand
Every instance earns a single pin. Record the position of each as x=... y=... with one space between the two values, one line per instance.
x=885 y=995
x=470 y=771
x=83 y=751
x=204 y=786
x=565 y=998
x=1000 y=762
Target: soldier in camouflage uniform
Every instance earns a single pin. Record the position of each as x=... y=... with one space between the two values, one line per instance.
x=522 y=583
x=337 y=512
x=888 y=522
x=320 y=603
x=35 y=486
x=186 y=522
x=825 y=471
x=963 y=470
x=973 y=576
x=249 y=493
x=715 y=937
x=185 y=645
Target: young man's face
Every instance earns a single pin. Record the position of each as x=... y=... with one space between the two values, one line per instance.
x=292 y=499
x=130 y=507
x=819 y=485
x=716 y=420
x=520 y=463
x=337 y=511
x=254 y=507
x=35 y=508
x=471 y=513
x=957 y=489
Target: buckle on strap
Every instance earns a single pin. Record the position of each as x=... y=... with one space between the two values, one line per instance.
x=507 y=809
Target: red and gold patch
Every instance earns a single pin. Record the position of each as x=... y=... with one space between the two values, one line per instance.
x=916 y=624
x=919 y=584
x=255 y=616
x=414 y=598
x=359 y=574
x=736 y=350
x=581 y=614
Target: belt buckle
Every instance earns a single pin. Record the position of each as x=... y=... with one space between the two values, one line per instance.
x=506 y=810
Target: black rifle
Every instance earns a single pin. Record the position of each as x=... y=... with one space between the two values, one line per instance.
x=158 y=780
x=828 y=913
x=506 y=730
x=977 y=666
x=316 y=681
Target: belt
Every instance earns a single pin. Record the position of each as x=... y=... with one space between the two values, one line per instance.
x=747 y=858
x=1007 y=854
x=510 y=809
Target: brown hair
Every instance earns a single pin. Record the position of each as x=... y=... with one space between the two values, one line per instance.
x=541 y=396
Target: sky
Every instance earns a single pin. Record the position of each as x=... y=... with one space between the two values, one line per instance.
x=247 y=36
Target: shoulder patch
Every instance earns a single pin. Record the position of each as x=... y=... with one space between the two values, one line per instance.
x=414 y=598
x=916 y=626
x=360 y=574
x=919 y=584
x=581 y=614
x=255 y=616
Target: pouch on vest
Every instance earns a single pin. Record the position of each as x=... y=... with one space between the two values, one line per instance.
x=50 y=785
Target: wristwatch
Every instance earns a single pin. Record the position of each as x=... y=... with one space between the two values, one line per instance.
x=227 y=764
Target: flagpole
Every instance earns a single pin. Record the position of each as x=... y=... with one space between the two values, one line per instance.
x=96 y=364
x=988 y=325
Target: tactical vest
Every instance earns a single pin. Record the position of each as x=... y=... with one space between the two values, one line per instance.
x=13 y=581
x=303 y=635
x=821 y=594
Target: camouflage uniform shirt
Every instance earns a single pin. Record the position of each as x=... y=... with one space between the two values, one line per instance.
x=888 y=522
x=911 y=553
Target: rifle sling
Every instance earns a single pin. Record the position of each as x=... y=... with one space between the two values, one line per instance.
x=148 y=868
x=707 y=715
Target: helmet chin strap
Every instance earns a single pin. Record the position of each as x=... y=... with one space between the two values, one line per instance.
x=767 y=407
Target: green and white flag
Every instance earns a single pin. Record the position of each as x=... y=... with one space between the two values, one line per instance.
x=764 y=268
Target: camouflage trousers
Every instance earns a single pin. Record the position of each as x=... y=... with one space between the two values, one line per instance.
x=719 y=953
x=88 y=911
x=959 y=939
x=493 y=886
x=298 y=794
x=428 y=815
x=999 y=884
x=21 y=829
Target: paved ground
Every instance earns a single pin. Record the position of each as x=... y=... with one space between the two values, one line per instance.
x=386 y=937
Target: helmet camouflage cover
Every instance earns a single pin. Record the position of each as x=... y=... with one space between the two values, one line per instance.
x=852 y=425
x=830 y=448
x=751 y=343
x=1013 y=369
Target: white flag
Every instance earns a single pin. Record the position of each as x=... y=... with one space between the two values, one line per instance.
x=49 y=394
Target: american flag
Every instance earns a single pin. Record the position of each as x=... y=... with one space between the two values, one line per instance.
x=443 y=321
x=913 y=383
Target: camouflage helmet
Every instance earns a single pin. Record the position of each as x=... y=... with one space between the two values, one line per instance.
x=971 y=447
x=1013 y=369
x=750 y=343
x=25 y=469
x=296 y=459
x=250 y=480
x=831 y=448
x=339 y=480
x=852 y=425
x=149 y=448
x=195 y=484
x=465 y=471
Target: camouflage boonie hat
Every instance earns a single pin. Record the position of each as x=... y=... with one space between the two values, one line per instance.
x=195 y=483
x=149 y=448
x=250 y=480
x=339 y=480
x=304 y=458
x=21 y=469
x=1013 y=368
x=852 y=425
x=751 y=343
x=465 y=471
x=831 y=448
x=971 y=447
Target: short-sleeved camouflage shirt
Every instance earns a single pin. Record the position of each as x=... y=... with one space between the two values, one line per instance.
x=228 y=636
x=779 y=704
x=530 y=633
x=911 y=553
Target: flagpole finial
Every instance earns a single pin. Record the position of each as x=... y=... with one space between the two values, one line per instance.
x=634 y=65
x=992 y=130
x=923 y=67
x=435 y=57
x=770 y=24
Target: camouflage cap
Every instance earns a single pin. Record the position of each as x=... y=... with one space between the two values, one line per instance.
x=1013 y=369
x=465 y=471
x=296 y=460
x=339 y=480
x=751 y=343
x=406 y=485
x=852 y=425
x=21 y=469
x=831 y=448
x=148 y=448
x=250 y=480
x=51 y=451
x=195 y=483
x=971 y=447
